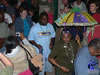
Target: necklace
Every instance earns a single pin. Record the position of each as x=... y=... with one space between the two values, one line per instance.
x=69 y=52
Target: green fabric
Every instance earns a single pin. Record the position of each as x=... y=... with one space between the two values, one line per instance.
x=59 y=54
x=75 y=9
x=55 y=12
x=7 y=71
x=60 y=72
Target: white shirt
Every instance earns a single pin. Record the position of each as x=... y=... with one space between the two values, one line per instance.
x=8 y=18
x=82 y=6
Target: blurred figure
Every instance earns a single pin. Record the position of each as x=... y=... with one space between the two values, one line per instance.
x=85 y=55
x=67 y=8
x=34 y=17
x=18 y=55
x=23 y=23
x=95 y=9
x=4 y=32
x=8 y=70
x=8 y=20
x=80 y=4
x=42 y=36
x=63 y=54
x=9 y=9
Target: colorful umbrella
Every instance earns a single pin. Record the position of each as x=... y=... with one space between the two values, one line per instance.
x=76 y=18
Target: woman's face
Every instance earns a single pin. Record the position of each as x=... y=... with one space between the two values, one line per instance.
x=23 y=14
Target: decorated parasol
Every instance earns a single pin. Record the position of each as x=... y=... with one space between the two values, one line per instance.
x=76 y=18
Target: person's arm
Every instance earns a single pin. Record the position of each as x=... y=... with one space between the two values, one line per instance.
x=37 y=45
x=78 y=41
x=52 y=36
x=57 y=65
x=52 y=42
x=5 y=60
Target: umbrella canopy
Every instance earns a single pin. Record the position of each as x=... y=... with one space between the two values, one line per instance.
x=76 y=18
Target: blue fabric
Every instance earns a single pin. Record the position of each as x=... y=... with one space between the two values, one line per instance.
x=2 y=49
x=42 y=35
x=26 y=28
x=74 y=31
x=82 y=60
x=19 y=24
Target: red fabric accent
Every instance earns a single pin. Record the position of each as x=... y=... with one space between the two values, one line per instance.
x=50 y=18
x=96 y=16
x=98 y=57
x=27 y=72
x=96 y=34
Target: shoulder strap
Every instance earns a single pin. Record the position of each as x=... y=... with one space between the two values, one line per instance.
x=27 y=52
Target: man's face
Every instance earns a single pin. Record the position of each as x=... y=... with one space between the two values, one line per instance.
x=44 y=20
x=94 y=52
x=66 y=37
x=93 y=7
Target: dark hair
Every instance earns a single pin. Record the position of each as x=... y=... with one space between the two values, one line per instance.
x=43 y=14
x=10 y=43
x=97 y=3
x=21 y=9
x=67 y=6
x=95 y=43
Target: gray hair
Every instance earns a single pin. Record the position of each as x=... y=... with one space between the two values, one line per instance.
x=95 y=43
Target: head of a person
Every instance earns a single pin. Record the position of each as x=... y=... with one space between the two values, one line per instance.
x=94 y=47
x=10 y=44
x=67 y=8
x=31 y=12
x=94 y=6
x=78 y=2
x=23 y=12
x=1 y=16
x=43 y=18
x=66 y=36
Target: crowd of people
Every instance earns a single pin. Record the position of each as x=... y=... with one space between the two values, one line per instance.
x=69 y=50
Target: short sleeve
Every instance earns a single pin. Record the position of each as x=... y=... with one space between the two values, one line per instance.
x=53 y=53
x=52 y=31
